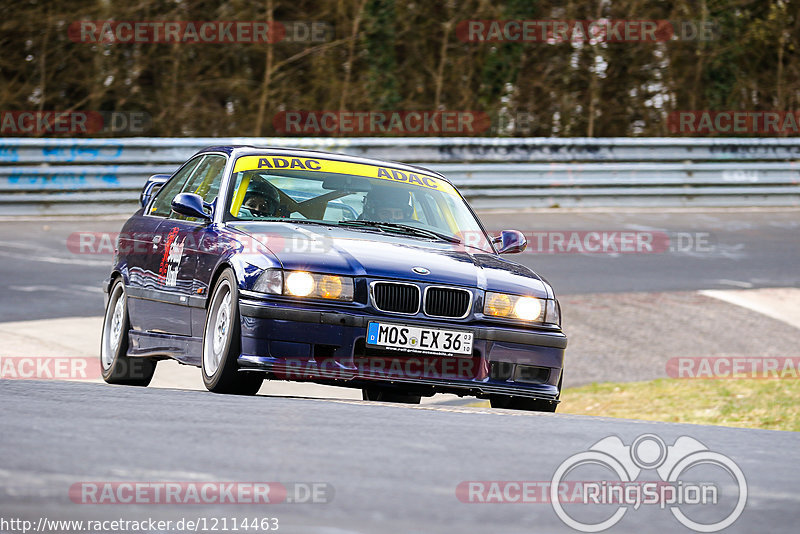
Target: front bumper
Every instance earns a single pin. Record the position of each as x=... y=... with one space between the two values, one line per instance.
x=328 y=346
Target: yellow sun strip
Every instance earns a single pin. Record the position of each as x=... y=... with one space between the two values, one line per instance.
x=213 y=171
x=447 y=214
x=203 y=188
x=239 y=197
x=419 y=179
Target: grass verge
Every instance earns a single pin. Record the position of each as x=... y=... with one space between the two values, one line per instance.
x=748 y=403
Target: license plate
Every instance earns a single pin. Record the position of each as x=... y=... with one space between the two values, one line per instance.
x=419 y=339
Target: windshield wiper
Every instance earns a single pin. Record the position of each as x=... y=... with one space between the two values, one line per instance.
x=401 y=228
x=290 y=221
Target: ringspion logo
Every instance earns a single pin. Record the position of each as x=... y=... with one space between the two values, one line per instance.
x=696 y=478
x=593 y=490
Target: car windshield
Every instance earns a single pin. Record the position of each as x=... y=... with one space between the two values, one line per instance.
x=354 y=195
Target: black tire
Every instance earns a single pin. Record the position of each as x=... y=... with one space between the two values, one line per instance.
x=116 y=366
x=383 y=395
x=222 y=341
x=523 y=403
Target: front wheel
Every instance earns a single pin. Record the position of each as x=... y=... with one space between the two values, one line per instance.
x=222 y=341
x=115 y=364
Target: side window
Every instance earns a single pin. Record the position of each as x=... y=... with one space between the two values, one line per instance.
x=161 y=206
x=205 y=181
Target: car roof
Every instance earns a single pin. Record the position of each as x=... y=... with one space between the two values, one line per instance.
x=250 y=150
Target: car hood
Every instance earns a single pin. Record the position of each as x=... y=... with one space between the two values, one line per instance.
x=371 y=254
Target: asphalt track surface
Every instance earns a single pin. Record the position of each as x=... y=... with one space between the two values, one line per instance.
x=388 y=468
x=42 y=278
x=396 y=468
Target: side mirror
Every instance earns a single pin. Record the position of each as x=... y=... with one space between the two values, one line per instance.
x=151 y=187
x=510 y=242
x=190 y=205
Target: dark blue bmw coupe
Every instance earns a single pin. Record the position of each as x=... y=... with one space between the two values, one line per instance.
x=256 y=263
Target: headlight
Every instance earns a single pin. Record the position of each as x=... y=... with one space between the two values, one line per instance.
x=528 y=309
x=270 y=281
x=299 y=284
x=553 y=312
x=303 y=284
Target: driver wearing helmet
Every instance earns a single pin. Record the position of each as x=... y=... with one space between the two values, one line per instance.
x=262 y=199
x=387 y=204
